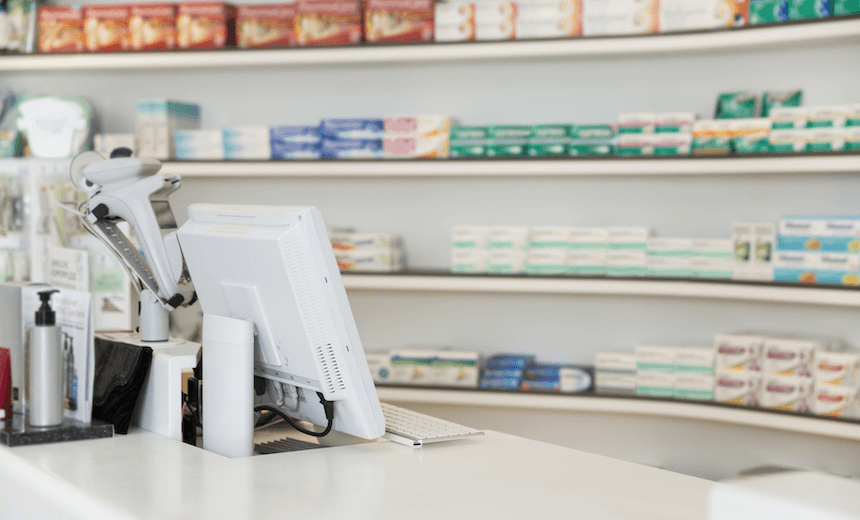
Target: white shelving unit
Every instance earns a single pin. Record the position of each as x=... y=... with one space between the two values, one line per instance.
x=834 y=30
x=735 y=165
x=627 y=406
x=605 y=286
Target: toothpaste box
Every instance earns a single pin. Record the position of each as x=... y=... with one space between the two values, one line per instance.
x=788 y=141
x=328 y=22
x=466 y=149
x=546 y=261
x=352 y=128
x=699 y=360
x=615 y=362
x=295 y=150
x=789 y=356
x=835 y=401
x=471 y=261
x=694 y=386
x=205 y=25
x=380 y=366
x=256 y=135
x=506 y=261
x=456 y=368
x=549 y=238
x=351 y=148
x=152 y=26
x=470 y=237
x=837 y=368
x=61 y=29
x=615 y=382
x=435 y=147
x=265 y=25
x=508 y=237
x=655 y=359
x=198 y=138
x=808 y=9
x=398 y=21
x=750 y=135
x=200 y=154
x=829 y=139
x=588 y=239
x=248 y=152
x=739 y=387
x=412 y=367
x=768 y=11
x=557 y=378
x=824 y=244
x=367 y=259
x=738 y=352
x=106 y=28
x=495 y=20
x=576 y=379
x=773 y=100
x=454 y=21
x=655 y=384
x=737 y=105
x=787 y=393
x=711 y=258
x=712 y=137
x=417 y=126
x=617 y=17
x=491 y=382
x=549 y=19
x=509 y=362
x=828 y=116
x=689 y=15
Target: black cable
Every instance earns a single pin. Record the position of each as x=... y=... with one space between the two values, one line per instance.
x=329 y=415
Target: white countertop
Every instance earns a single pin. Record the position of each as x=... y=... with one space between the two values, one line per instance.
x=143 y=475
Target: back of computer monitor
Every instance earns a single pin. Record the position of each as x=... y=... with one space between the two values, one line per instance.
x=275 y=267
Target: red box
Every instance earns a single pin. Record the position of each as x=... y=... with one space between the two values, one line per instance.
x=205 y=25
x=389 y=21
x=106 y=28
x=266 y=25
x=6 y=382
x=152 y=26
x=61 y=29
x=328 y=22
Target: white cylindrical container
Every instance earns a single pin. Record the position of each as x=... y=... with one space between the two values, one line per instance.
x=228 y=386
x=46 y=367
x=154 y=320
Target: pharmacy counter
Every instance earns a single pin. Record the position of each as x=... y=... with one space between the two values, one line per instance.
x=142 y=475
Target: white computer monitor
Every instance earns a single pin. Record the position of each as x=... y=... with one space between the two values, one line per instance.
x=275 y=267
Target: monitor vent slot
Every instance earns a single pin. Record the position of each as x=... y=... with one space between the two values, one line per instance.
x=312 y=309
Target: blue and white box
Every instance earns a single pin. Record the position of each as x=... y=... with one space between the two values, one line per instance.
x=351 y=148
x=352 y=129
x=295 y=134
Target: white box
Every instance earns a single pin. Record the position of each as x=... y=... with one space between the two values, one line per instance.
x=588 y=238
x=637 y=123
x=573 y=379
x=694 y=386
x=690 y=15
x=615 y=382
x=628 y=238
x=615 y=17
x=675 y=122
x=495 y=20
x=740 y=387
x=835 y=401
x=470 y=237
x=738 y=351
x=788 y=393
x=412 y=367
x=371 y=260
x=506 y=261
x=457 y=368
x=546 y=261
x=789 y=356
x=694 y=359
x=655 y=359
x=626 y=262
x=789 y=117
x=380 y=366
x=468 y=260
x=508 y=237
x=615 y=362
x=346 y=241
x=553 y=238
x=583 y=262
x=159 y=407
x=655 y=384
x=837 y=368
x=418 y=126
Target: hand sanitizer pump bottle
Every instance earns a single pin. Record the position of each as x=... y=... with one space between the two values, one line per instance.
x=46 y=367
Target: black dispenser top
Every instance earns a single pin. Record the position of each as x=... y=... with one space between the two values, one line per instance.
x=46 y=315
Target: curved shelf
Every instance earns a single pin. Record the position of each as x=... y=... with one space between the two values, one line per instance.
x=628 y=405
x=609 y=166
x=832 y=30
x=443 y=281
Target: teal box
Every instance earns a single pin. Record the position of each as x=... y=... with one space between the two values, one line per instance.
x=655 y=391
x=846 y=7
x=578 y=149
x=768 y=11
x=808 y=9
x=694 y=395
x=626 y=270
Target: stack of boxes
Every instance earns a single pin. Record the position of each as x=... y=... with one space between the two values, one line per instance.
x=396 y=21
x=505 y=372
x=547 y=250
x=711 y=258
x=417 y=137
x=837 y=380
x=469 y=141
x=230 y=143
x=506 y=249
x=655 y=371
x=495 y=20
x=691 y=15
x=586 y=251
x=469 y=249
x=351 y=138
x=655 y=133
x=694 y=373
x=199 y=145
x=372 y=252
x=295 y=142
x=158 y=120
x=669 y=257
x=549 y=140
x=508 y=141
x=774 y=11
x=818 y=250
x=815 y=129
x=586 y=140
x=615 y=372
x=626 y=251
x=738 y=373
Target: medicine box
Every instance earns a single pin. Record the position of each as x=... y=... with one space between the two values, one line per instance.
x=655 y=384
x=615 y=362
x=739 y=387
x=583 y=262
x=509 y=362
x=508 y=237
x=808 y=9
x=789 y=356
x=265 y=25
x=398 y=21
x=61 y=29
x=626 y=263
x=506 y=261
x=837 y=368
x=367 y=129
x=433 y=147
x=774 y=100
x=615 y=382
x=495 y=20
x=508 y=141
x=835 y=401
x=697 y=360
x=669 y=257
x=417 y=126
x=106 y=27
x=328 y=22
x=768 y=11
x=591 y=140
x=694 y=386
x=655 y=359
x=617 y=17
x=636 y=123
x=454 y=21
x=205 y=25
x=295 y=134
x=469 y=261
x=412 y=367
x=576 y=379
x=470 y=237
x=845 y=7
x=687 y=15
x=788 y=118
x=711 y=258
x=738 y=351
x=737 y=105
x=549 y=140
x=351 y=148
x=380 y=366
x=370 y=259
x=152 y=26
x=789 y=393
x=546 y=261
x=549 y=237
x=348 y=241
x=456 y=368
x=294 y=150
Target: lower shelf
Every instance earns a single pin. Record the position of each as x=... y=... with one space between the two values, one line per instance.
x=593 y=403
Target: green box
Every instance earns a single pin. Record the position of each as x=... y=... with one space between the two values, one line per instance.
x=736 y=105
x=11 y=143
x=592 y=132
x=846 y=7
x=579 y=149
x=751 y=144
x=785 y=98
x=468 y=133
x=711 y=145
x=465 y=149
x=508 y=132
x=635 y=151
x=808 y=9
x=547 y=147
x=672 y=150
x=768 y=11
x=511 y=148
x=550 y=132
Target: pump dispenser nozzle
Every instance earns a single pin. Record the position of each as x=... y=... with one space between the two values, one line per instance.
x=46 y=315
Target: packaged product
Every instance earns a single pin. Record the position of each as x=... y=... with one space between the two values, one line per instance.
x=548 y=19
x=788 y=118
x=845 y=7
x=470 y=237
x=265 y=25
x=546 y=261
x=468 y=261
x=61 y=29
x=669 y=257
x=787 y=393
x=789 y=356
x=618 y=17
x=495 y=20
x=808 y=9
x=655 y=359
x=694 y=360
x=351 y=148
x=655 y=384
x=738 y=352
x=295 y=150
x=712 y=258
x=22 y=17
x=412 y=367
x=435 y=147
x=11 y=143
x=152 y=26
x=352 y=128
x=549 y=140
x=328 y=22
x=369 y=259
x=834 y=116
x=780 y=98
x=694 y=386
x=586 y=263
x=454 y=21
x=508 y=237
x=768 y=11
x=391 y=21
x=417 y=126
x=837 y=368
x=508 y=141
x=674 y=122
x=615 y=382
x=295 y=134
x=712 y=137
x=506 y=261
x=740 y=387
x=636 y=123
x=469 y=141
x=688 y=15
x=379 y=364
x=456 y=368
x=591 y=140
x=835 y=401
x=549 y=237
x=350 y=241
x=615 y=362
x=205 y=25
x=735 y=105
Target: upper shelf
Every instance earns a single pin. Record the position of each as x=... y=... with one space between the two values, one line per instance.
x=442 y=281
x=729 y=165
x=831 y=30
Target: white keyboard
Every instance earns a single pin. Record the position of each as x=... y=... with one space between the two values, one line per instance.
x=416 y=429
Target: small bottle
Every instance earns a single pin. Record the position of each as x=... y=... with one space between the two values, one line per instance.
x=46 y=367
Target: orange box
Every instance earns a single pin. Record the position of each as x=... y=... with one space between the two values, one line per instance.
x=152 y=26
x=106 y=28
x=61 y=29
x=328 y=22
x=399 y=21
x=266 y=25
x=205 y=25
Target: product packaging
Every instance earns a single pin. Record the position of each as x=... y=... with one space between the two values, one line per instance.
x=436 y=147
x=768 y=11
x=692 y=15
x=352 y=128
x=549 y=238
x=655 y=384
x=626 y=251
x=549 y=140
x=495 y=20
x=698 y=360
x=588 y=140
x=469 y=141
x=548 y=19
x=470 y=261
x=557 y=378
x=546 y=261
x=157 y=122
x=350 y=241
x=787 y=393
x=623 y=362
x=712 y=137
x=265 y=25
x=619 y=17
x=295 y=142
x=834 y=116
x=586 y=254
x=351 y=148
x=55 y=127
x=152 y=26
x=61 y=29
x=412 y=367
x=295 y=150
x=736 y=105
x=470 y=237
x=750 y=135
x=22 y=16
x=738 y=352
x=636 y=123
x=398 y=21
x=789 y=356
x=454 y=21
x=506 y=261
x=780 y=99
x=205 y=25
x=835 y=401
x=417 y=126
x=655 y=359
x=328 y=22
x=456 y=368
x=837 y=368
x=508 y=237
x=694 y=386
x=615 y=382
x=788 y=117
x=669 y=257
x=106 y=28
x=808 y=9
x=370 y=260
x=674 y=122
x=788 y=141
x=754 y=244
x=739 y=387
x=508 y=141
x=845 y=7
x=11 y=143
x=711 y=258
